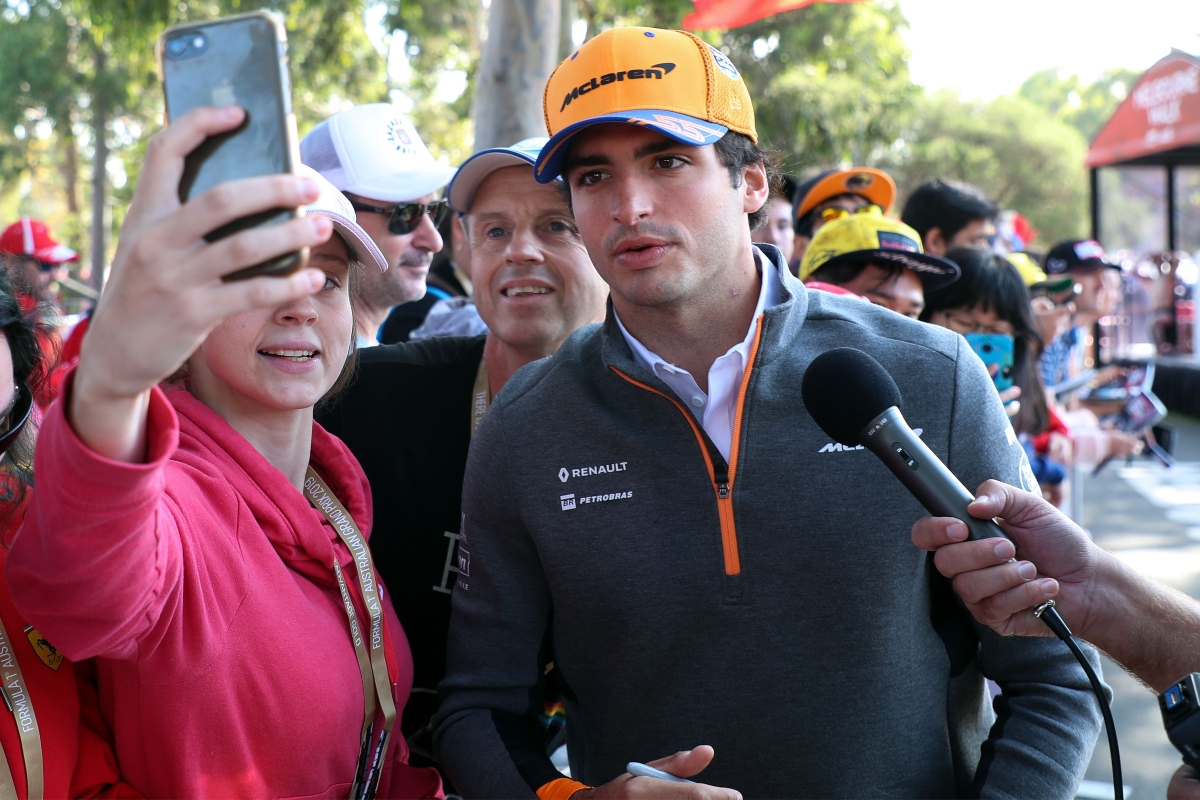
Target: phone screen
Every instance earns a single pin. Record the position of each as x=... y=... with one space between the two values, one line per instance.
x=996 y=350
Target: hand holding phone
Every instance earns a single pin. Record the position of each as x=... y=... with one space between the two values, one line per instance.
x=165 y=292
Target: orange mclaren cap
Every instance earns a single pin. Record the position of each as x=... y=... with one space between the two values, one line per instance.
x=873 y=184
x=670 y=81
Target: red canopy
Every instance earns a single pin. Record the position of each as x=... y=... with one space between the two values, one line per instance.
x=726 y=14
x=1161 y=113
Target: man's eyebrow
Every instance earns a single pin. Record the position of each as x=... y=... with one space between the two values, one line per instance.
x=654 y=148
x=586 y=161
x=601 y=160
x=487 y=215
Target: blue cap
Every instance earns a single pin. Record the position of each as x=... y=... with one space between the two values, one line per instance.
x=475 y=169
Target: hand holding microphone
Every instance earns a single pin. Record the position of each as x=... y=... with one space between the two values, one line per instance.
x=999 y=592
x=853 y=399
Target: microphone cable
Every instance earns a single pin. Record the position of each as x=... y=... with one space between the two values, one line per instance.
x=1049 y=615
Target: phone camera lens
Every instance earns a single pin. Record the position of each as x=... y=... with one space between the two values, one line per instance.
x=177 y=46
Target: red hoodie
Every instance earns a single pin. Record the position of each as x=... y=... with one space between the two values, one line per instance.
x=204 y=582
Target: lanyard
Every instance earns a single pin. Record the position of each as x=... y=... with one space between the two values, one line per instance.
x=481 y=396
x=16 y=697
x=370 y=765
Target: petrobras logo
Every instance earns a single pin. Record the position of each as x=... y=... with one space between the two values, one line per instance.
x=565 y=475
x=570 y=501
x=654 y=72
x=724 y=64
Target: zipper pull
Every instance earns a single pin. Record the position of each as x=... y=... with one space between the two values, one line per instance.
x=723 y=491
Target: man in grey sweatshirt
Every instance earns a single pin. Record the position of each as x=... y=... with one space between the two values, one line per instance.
x=653 y=505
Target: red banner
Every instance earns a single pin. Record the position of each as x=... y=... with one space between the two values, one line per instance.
x=726 y=14
x=1162 y=112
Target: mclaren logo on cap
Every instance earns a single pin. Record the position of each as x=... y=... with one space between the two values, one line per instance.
x=657 y=71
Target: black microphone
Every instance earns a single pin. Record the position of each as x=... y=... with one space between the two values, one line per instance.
x=853 y=399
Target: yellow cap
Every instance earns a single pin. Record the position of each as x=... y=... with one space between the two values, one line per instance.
x=870 y=237
x=671 y=81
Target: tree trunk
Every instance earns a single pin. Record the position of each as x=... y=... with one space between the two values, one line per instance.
x=99 y=174
x=520 y=53
x=568 y=13
x=69 y=166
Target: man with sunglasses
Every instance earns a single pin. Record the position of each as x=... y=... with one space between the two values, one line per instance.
x=373 y=154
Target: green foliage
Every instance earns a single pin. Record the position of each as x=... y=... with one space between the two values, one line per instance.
x=441 y=37
x=830 y=82
x=1010 y=148
x=1084 y=107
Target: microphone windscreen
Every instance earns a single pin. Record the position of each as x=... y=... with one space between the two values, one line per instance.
x=844 y=390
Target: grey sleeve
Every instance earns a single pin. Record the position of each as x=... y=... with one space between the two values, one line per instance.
x=1048 y=719
x=501 y=610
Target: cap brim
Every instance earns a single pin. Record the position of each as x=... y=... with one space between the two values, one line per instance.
x=680 y=127
x=403 y=187
x=365 y=250
x=58 y=254
x=933 y=271
x=1092 y=265
x=1054 y=285
x=881 y=191
x=475 y=169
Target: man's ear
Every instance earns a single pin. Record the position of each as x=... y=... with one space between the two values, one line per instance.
x=935 y=243
x=756 y=190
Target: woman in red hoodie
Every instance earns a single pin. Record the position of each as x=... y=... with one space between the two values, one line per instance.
x=205 y=539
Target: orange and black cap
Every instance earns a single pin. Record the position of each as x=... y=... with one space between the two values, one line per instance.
x=669 y=81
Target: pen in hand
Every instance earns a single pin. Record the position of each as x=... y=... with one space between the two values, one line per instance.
x=639 y=770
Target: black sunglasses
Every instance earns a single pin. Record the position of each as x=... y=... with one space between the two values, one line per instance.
x=404 y=218
x=14 y=421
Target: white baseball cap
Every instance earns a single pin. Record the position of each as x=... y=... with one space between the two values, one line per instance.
x=333 y=204
x=374 y=151
x=472 y=172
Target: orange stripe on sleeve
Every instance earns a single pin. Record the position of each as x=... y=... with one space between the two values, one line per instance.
x=560 y=789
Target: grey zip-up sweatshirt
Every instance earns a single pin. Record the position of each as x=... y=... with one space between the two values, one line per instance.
x=774 y=607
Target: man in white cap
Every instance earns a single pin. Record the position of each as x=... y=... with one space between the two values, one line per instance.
x=373 y=154
x=411 y=413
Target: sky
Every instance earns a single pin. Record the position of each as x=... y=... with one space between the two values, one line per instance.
x=986 y=49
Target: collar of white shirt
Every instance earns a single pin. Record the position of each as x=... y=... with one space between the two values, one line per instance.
x=715 y=410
